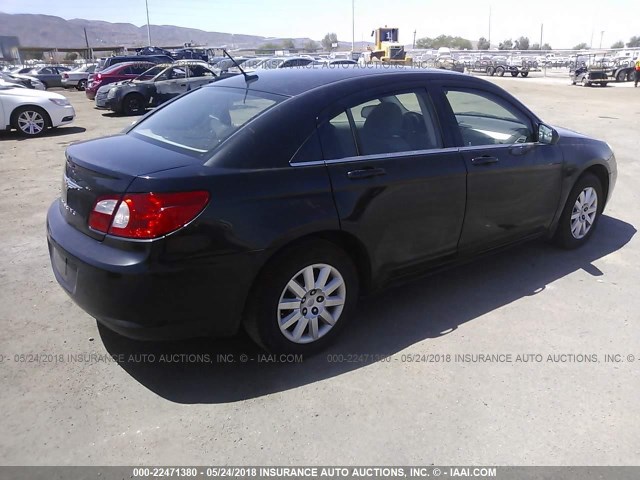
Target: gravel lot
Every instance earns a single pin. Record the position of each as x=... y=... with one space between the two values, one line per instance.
x=346 y=406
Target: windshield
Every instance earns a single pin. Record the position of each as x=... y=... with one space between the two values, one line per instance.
x=207 y=116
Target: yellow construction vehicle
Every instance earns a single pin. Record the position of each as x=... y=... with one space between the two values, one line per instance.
x=387 y=48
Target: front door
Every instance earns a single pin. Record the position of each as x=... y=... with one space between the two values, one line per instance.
x=514 y=182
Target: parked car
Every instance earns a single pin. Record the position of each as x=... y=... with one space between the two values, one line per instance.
x=271 y=202
x=22 y=80
x=107 y=62
x=31 y=112
x=50 y=76
x=166 y=82
x=116 y=73
x=77 y=77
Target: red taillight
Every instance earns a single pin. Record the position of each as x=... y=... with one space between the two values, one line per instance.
x=65 y=75
x=99 y=77
x=146 y=215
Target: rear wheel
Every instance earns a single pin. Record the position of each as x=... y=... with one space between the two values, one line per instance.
x=581 y=212
x=524 y=74
x=500 y=71
x=82 y=84
x=302 y=299
x=30 y=121
x=630 y=76
x=133 y=104
x=585 y=82
x=514 y=73
x=621 y=76
x=491 y=71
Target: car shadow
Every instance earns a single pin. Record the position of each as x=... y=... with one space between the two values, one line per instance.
x=53 y=132
x=234 y=369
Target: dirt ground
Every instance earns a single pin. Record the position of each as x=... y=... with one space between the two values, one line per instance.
x=391 y=391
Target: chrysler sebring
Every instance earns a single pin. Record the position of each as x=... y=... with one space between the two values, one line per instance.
x=271 y=202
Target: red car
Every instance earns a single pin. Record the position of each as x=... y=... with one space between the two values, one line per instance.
x=116 y=73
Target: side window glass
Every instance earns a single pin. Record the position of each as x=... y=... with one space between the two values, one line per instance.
x=336 y=138
x=310 y=151
x=485 y=119
x=396 y=123
x=127 y=71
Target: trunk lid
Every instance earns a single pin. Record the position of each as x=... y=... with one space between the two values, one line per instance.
x=107 y=166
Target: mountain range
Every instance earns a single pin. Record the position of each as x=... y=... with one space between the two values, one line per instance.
x=56 y=32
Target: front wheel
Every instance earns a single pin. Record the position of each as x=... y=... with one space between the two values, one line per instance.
x=30 y=121
x=581 y=212
x=133 y=104
x=302 y=299
x=524 y=74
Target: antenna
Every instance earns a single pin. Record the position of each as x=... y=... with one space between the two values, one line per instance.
x=247 y=78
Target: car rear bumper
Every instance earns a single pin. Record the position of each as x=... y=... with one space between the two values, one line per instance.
x=139 y=296
x=69 y=82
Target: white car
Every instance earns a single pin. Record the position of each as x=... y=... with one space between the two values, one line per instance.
x=32 y=112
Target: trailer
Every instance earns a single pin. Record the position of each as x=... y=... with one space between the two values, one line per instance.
x=491 y=68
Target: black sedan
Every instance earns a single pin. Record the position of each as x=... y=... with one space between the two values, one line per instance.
x=272 y=202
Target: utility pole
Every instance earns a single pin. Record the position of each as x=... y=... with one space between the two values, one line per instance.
x=146 y=2
x=86 y=39
x=601 y=35
x=489 y=39
x=353 y=26
x=541 y=30
x=414 y=38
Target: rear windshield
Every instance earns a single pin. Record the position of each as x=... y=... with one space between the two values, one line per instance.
x=200 y=121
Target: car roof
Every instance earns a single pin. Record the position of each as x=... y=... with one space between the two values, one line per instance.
x=297 y=80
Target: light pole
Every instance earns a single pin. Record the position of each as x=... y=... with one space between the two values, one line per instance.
x=601 y=35
x=146 y=2
x=489 y=39
x=353 y=26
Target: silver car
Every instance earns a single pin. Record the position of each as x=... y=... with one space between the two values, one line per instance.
x=77 y=77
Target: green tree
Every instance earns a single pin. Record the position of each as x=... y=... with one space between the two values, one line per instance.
x=535 y=46
x=71 y=56
x=546 y=46
x=618 y=44
x=522 y=43
x=444 y=41
x=311 y=46
x=506 y=45
x=288 y=44
x=328 y=41
x=634 y=42
x=483 y=44
x=581 y=46
x=271 y=46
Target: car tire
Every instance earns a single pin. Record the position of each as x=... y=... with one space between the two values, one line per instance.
x=621 y=76
x=133 y=104
x=514 y=74
x=585 y=82
x=30 y=121
x=524 y=74
x=578 y=223
x=82 y=84
x=44 y=84
x=272 y=300
x=491 y=71
x=500 y=71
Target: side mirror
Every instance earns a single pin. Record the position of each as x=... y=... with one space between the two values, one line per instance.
x=547 y=135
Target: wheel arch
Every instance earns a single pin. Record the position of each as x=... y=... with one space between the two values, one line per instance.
x=13 y=117
x=601 y=172
x=350 y=244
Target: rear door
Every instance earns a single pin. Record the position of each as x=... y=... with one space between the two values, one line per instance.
x=172 y=83
x=198 y=76
x=397 y=186
x=514 y=182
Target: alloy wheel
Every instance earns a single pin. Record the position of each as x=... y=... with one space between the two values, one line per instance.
x=311 y=303
x=31 y=122
x=584 y=212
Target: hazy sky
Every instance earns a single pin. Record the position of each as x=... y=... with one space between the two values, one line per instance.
x=565 y=23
